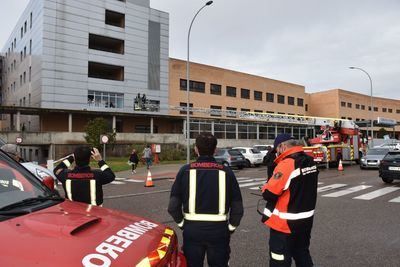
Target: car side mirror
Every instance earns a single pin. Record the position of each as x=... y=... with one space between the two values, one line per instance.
x=48 y=181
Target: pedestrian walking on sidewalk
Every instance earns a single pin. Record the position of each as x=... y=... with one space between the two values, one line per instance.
x=147 y=155
x=133 y=160
x=207 y=204
x=291 y=195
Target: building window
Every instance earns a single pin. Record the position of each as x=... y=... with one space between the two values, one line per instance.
x=349 y=105
x=231 y=91
x=29 y=99
x=20 y=80
x=306 y=107
x=30 y=20
x=300 y=102
x=270 y=97
x=145 y=129
x=398 y=111
x=194 y=86
x=281 y=99
x=24 y=77
x=384 y=109
x=245 y=93
x=343 y=104
x=22 y=54
x=25 y=52
x=291 y=100
x=375 y=108
x=25 y=26
x=115 y=19
x=107 y=44
x=30 y=73
x=30 y=47
x=390 y=110
x=357 y=106
x=215 y=111
x=105 y=99
x=245 y=110
x=231 y=112
x=258 y=95
x=362 y=107
x=22 y=32
x=184 y=106
x=215 y=89
x=258 y=111
x=106 y=71
x=343 y=118
x=349 y=118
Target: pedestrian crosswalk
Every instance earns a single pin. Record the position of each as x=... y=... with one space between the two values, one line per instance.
x=325 y=190
x=335 y=190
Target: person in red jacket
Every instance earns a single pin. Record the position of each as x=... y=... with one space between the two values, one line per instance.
x=291 y=195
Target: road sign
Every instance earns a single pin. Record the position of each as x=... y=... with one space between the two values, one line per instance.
x=104 y=139
x=18 y=140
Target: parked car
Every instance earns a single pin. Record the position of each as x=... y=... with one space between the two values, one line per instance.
x=37 y=170
x=373 y=158
x=264 y=149
x=389 y=169
x=230 y=157
x=253 y=156
x=50 y=231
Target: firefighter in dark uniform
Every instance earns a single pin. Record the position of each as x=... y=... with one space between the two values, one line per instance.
x=82 y=183
x=291 y=195
x=207 y=204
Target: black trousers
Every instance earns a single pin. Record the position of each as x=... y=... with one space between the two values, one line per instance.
x=210 y=239
x=283 y=247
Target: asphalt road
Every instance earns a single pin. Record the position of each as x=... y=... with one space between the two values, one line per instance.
x=356 y=223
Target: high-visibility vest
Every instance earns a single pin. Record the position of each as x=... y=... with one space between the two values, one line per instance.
x=191 y=215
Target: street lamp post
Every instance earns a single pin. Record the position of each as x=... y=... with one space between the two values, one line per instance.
x=372 y=106
x=188 y=86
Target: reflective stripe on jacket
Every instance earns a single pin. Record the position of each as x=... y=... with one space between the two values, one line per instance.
x=205 y=191
x=291 y=192
x=84 y=184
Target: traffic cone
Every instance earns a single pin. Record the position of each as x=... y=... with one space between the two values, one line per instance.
x=340 y=167
x=149 y=181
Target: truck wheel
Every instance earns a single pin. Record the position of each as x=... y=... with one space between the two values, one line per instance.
x=387 y=180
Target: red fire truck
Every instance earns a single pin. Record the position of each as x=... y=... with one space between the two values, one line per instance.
x=339 y=140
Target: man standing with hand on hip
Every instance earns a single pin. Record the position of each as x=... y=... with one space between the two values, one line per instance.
x=291 y=195
x=207 y=204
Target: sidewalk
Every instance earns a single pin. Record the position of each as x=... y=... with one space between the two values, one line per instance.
x=158 y=172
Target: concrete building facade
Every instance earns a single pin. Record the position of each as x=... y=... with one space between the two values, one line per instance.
x=97 y=55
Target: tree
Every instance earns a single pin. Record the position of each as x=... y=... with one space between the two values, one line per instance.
x=94 y=129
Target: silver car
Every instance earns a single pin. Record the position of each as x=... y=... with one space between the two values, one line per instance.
x=373 y=158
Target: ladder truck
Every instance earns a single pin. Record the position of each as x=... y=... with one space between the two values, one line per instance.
x=339 y=138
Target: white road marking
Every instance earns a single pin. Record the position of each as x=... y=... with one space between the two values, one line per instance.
x=242 y=178
x=134 y=181
x=348 y=191
x=320 y=183
x=117 y=182
x=396 y=200
x=120 y=179
x=255 y=188
x=377 y=193
x=330 y=187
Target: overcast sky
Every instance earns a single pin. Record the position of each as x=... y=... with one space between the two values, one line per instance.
x=308 y=42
